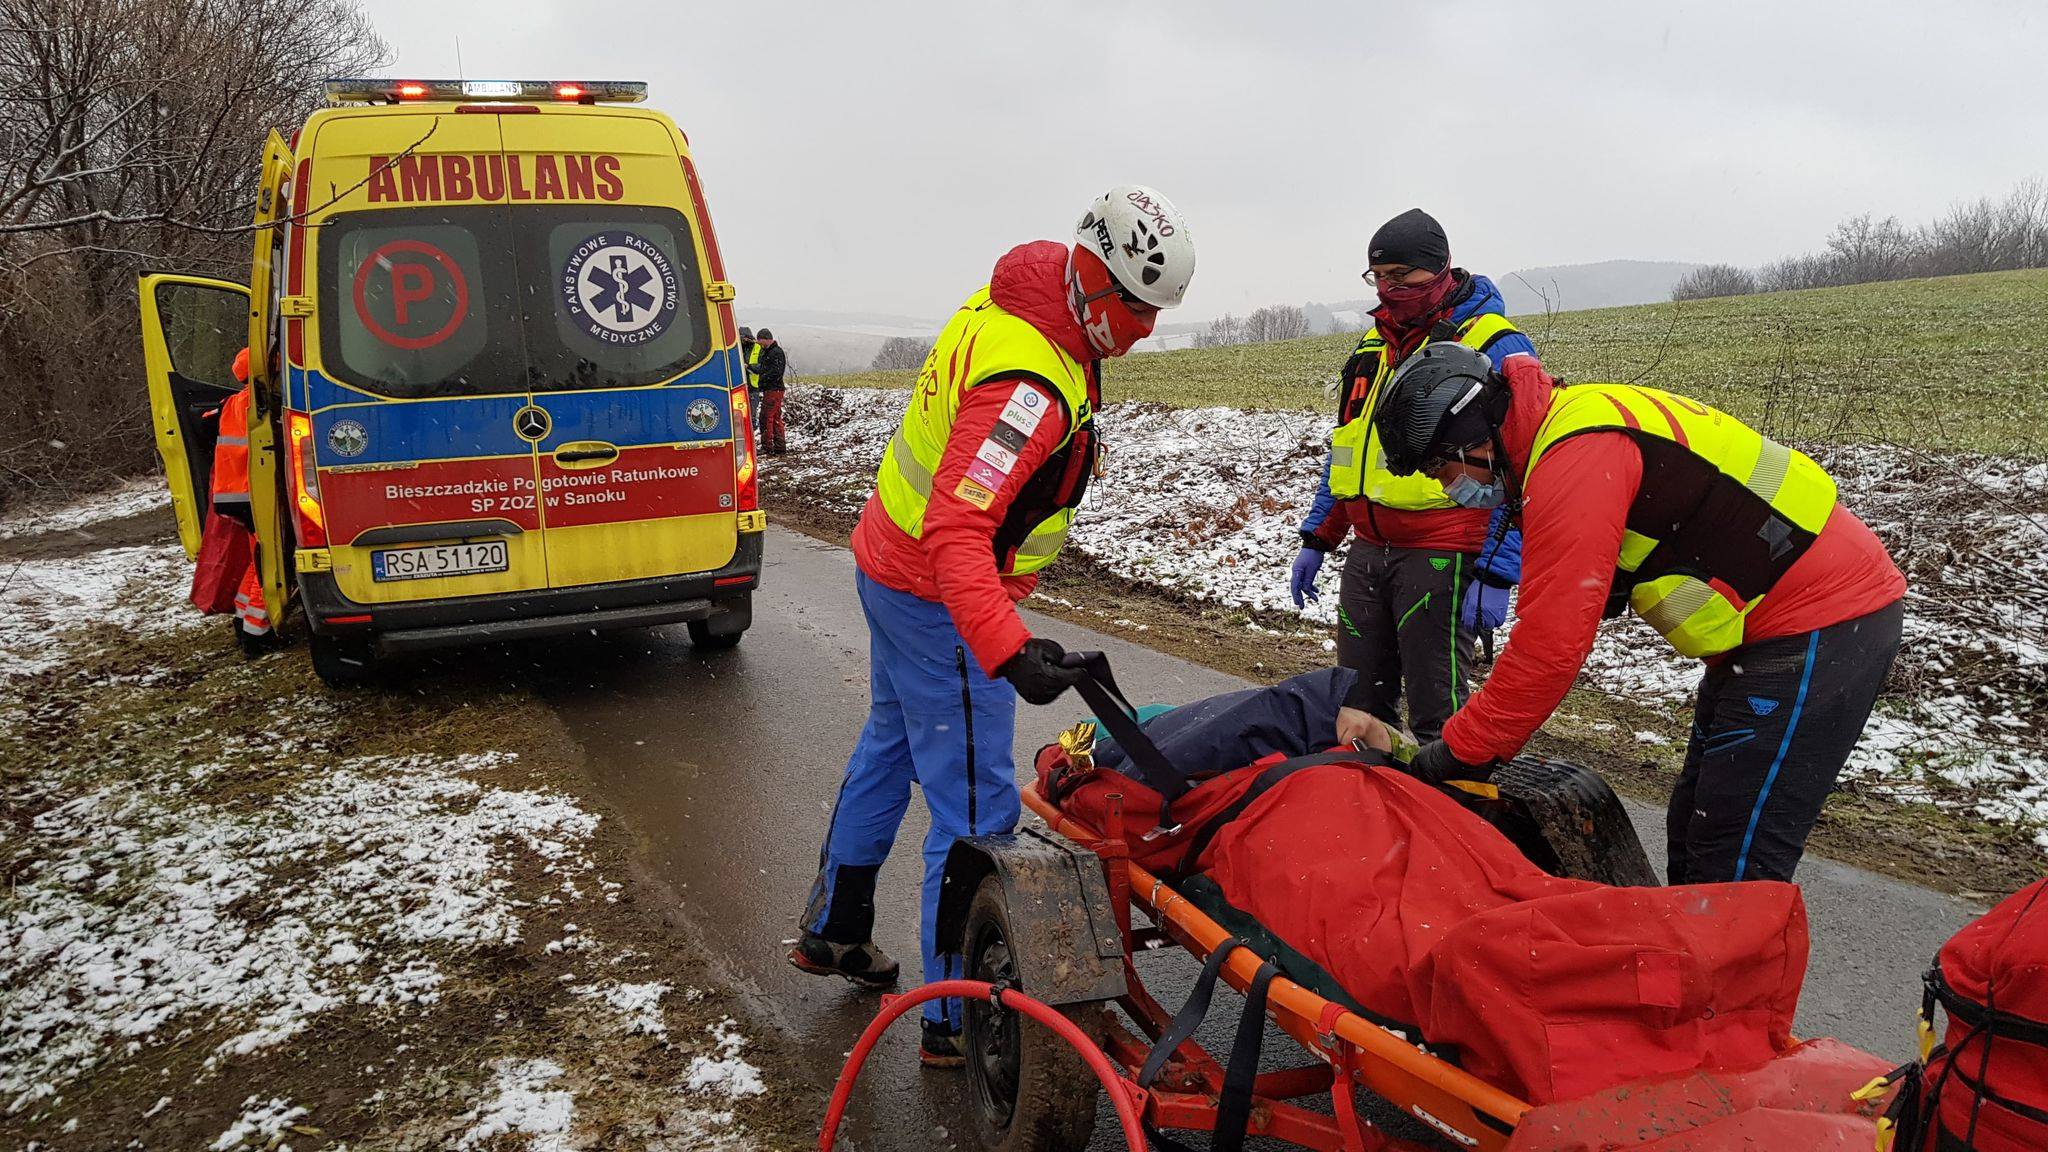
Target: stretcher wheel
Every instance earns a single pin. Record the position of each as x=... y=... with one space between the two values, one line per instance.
x=1032 y=1092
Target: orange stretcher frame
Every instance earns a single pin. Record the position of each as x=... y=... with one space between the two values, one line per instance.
x=1353 y=1051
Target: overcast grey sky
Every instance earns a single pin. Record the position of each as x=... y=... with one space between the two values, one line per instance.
x=880 y=156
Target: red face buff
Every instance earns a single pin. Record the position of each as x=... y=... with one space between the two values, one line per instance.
x=1111 y=322
x=1406 y=304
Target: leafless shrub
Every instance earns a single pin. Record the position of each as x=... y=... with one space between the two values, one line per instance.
x=901 y=352
x=1710 y=280
x=1275 y=322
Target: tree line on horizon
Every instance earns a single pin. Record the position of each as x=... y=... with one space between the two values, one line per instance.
x=1983 y=235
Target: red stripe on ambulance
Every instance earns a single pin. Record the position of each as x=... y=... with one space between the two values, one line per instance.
x=431 y=492
x=642 y=484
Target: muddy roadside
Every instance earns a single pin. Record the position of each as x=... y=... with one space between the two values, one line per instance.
x=241 y=909
x=1636 y=746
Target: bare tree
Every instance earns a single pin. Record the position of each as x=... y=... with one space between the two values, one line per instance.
x=1866 y=250
x=1275 y=322
x=1709 y=280
x=901 y=352
x=130 y=132
x=1222 y=333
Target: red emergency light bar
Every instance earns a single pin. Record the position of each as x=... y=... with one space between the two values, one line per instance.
x=377 y=90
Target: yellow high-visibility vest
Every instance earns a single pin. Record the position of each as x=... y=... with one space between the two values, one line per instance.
x=1358 y=465
x=1722 y=513
x=982 y=342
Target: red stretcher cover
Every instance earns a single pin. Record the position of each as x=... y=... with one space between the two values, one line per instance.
x=1545 y=987
x=1987 y=1085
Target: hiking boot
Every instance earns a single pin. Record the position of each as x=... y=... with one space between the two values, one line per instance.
x=938 y=1048
x=864 y=964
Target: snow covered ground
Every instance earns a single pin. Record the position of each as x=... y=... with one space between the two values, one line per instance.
x=1205 y=502
x=198 y=894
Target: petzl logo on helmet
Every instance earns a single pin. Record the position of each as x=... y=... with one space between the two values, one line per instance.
x=620 y=288
x=1102 y=237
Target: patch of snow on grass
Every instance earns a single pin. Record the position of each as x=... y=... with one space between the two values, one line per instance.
x=261 y=1122
x=726 y=1073
x=138 y=910
x=522 y=1104
x=49 y=605
x=129 y=499
x=639 y=1004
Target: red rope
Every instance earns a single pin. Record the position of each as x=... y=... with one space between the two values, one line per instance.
x=1122 y=1093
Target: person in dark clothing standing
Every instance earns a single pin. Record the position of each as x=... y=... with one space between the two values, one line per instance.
x=769 y=371
x=1424 y=575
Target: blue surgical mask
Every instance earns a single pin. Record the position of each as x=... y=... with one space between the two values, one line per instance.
x=1466 y=492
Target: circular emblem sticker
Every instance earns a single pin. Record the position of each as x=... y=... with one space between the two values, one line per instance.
x=701 y=415
x=620 y=288
x=347 y=439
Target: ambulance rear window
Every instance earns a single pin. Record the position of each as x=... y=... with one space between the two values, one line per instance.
x=613 y=297
x=420 y=302
x=477 y=300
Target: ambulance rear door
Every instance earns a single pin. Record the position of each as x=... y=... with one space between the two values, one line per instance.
x=192 y=327
x=422 y=424
x=637 y=470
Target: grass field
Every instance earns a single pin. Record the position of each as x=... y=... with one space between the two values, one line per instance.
x=1952 y=364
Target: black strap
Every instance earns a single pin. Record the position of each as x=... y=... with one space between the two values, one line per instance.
x=1199 y=842
x=1099 y=689
x=1240 y=1074
x=2003 y=1025
x=1190 y=1015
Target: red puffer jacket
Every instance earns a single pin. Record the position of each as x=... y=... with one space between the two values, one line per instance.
x=954 y=562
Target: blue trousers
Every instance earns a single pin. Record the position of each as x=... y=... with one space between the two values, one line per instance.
x=933 y=718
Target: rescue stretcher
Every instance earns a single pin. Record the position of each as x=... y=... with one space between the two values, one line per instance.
x=1049 y=921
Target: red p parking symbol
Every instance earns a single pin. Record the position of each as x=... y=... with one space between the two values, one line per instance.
x=411 y=294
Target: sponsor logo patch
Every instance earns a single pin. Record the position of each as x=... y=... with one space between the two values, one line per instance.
x=997 y=456
x=1009 y=436
x=1026 y=408
x=975 y=494
x=987 y=477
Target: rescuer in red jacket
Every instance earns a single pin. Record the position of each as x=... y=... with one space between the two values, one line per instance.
x=1732 y=546
x=974 y=497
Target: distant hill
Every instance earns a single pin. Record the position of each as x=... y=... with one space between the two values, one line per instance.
x=1576 y=287
x=822 y=343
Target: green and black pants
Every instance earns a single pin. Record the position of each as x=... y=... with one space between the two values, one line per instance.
x=1397 y=626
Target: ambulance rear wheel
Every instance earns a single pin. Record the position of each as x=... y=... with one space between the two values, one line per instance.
x=343 y=661
x=1033 y=1092
x=723 y=628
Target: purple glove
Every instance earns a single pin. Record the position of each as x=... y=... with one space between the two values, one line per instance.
x=1301 y=580
x=1485 y=607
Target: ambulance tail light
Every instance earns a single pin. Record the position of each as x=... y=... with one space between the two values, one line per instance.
x=299 y=456
x=377 y=90
x=745 y=481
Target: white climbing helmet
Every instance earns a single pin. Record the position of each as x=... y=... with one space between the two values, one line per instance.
x=1144 y=240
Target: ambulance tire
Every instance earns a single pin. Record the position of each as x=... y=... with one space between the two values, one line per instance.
x=343 y=661
x=1032 y=1092
x=723 y=630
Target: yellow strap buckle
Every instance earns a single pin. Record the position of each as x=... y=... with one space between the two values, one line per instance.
x=1872 y=1091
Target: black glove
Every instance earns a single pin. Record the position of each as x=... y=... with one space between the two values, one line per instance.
x=1037 y=673
x=1435 y=763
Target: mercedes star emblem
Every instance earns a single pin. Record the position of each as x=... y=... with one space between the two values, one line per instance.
x=531 y=423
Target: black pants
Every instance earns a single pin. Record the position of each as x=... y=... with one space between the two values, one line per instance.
x=1774 y=723
x=1397 y=626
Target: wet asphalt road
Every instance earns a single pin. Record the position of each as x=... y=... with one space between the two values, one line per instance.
x=724 y=767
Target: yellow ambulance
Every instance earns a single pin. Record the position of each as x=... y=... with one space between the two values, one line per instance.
x=497 y=389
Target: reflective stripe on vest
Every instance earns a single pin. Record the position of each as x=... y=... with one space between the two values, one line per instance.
x=981 y=342
x=231 y=451
x=1754 y=507
x=1358 y=465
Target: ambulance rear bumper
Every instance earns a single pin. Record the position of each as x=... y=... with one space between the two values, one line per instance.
x=424 y=625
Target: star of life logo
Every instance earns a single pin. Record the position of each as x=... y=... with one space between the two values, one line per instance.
x=620 y=288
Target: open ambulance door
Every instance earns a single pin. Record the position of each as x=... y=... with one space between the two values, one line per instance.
x=192 y=326
x=267 y=378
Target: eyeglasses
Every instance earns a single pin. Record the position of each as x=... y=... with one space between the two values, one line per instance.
x=1436 y=461
x=1129 y=298
x=1402 y=275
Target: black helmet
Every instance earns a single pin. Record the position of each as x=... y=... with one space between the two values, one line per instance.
x=1444 y=397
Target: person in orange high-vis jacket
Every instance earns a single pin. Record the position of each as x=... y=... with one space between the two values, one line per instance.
x=231 y=501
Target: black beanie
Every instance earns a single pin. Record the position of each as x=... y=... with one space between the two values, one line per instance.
x=1413 y=238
